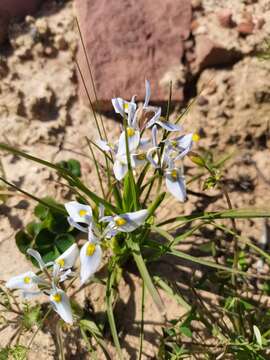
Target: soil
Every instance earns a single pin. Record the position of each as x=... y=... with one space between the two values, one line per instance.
x=41 y=113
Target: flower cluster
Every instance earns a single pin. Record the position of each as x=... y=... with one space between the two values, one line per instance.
x=132 y=149
x=53 y=274
x=163 y=156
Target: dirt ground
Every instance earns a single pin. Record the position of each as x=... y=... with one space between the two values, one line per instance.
x=41 y=113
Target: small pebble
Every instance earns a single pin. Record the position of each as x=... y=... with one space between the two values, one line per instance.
x=245 y=28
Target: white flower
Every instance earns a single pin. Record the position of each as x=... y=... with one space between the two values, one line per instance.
x=181 y=145
x=106 y=146
x=137 y=158
x=26 y=281
x=133 y=133
x=36 y=255
x=61 y=304
x=90 y=256
x=68 y=258
x=161 y=121
x=122 y=106
x=78 y=213
x=127 y=222
x=175 y=182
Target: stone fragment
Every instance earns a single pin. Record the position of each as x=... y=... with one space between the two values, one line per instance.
x=225 y=18
x=245 y=28
x=129 y=41
x=209 y=53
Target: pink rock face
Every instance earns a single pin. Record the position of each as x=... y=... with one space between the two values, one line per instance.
x=19 y=7
x=128 y=41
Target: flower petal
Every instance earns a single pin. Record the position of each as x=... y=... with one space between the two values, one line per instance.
x=61 y=305
x=69 y=257
x=133 y=142
x=79 y=212
x=89 y=263
x=176 y=187
x=103 y=145
x=118 y=104
x=25 y=281
x=155 y=118
x=133 y=220
x=168 y=126
x=36 y=255
x=147 y=93
x=120 y=169
x=76 y=225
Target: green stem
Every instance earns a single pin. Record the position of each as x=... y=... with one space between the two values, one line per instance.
x=109 y=298
x=142 y=322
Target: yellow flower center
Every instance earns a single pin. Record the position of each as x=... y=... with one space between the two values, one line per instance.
x=91 y=248
x=57 y=297
x=27 y=280
x=61 y=262
x=141 y=156
x=126 y=106
x=174 y=143
x=174 y=174
x=130 y=131
x=120 y=221
x=82 y=212
x=195 y=137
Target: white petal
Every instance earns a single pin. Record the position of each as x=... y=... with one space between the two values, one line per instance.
x=76 y=225
x=136 y=161
x=25 y=281
x=144 y=144
x=89 y=264
x=150 y=157
x=147 y=93
x=185 y=143
x=36 y=255
x=133 y=220
x=120 y=169
x=131 y=113
x=74 y=209
x=103 y=145
x=168 y=126
x=69 y=257
x=30 y=294
x=62 y=307
x=118 y=104
x=155 y=118
x=154 y=136
x=177 y=187
x=133 y=142
x=101 y=210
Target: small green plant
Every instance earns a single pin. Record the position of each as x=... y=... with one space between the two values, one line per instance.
x=50 y=234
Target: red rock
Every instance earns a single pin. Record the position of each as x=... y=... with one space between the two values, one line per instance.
x=209 y=53
x=19 y=8
x=245 y=28
x=4 y=23
x=225 y=18
x=14 y=8
x=128 y=41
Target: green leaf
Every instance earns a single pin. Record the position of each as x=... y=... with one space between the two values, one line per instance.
x=258 y=335
x=72 y=165
x=186 y=331
x=33 y=228
x=90 y=326
x=23 y=241
x=64 y=241
x=56 y=223
x=45 y=241
x=41 y=211
x=51 y=255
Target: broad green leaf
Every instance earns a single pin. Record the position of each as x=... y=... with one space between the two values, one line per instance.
x=33 y=228
x=23 y=241
x=64 y=241
x=186 y=331
x=51 y=255
x=45 y=241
